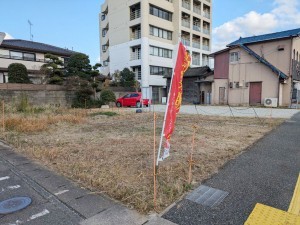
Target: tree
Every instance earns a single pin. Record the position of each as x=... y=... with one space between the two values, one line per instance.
x=53 y=69
x=17 y=73
x=127 y=78
x=107 y=96
x=79 y=65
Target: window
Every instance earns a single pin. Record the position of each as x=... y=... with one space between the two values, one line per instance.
x=16 y=55
x=103 y=17
x=161 y=52
x=234 y=57
x=22 y=55
x=160 y=13
x=161 y=71
x=158 y=32
x=29 y=56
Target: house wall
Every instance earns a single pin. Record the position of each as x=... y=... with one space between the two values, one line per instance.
x=248 y=69
x=221 y=71
x=215 y=90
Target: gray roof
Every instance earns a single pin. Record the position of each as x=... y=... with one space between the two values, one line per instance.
x=267 y=37
x=32 y=46
x=196 y=72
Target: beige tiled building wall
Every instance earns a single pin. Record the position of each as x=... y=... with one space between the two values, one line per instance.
x=143 y=35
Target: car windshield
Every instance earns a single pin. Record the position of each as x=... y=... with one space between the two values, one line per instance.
x=126 y=96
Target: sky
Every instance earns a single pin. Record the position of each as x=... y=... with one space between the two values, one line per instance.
x=74 y=24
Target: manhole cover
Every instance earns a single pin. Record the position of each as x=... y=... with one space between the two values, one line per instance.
x=207 y=196
x=14 y=204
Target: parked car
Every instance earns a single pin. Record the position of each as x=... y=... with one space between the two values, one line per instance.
x=132 y=99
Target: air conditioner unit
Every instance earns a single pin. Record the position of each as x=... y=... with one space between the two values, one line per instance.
x=271 y=102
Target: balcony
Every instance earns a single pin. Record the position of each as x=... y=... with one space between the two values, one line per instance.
x=206 y=47
x=135 y=54
x=186 y=42
x=196 y=44
x=135 y=14
x=186 y=4
x=197 y=10
x=206 y=14
x=185 y=23
x=206 y=31
x=196 y=61
x=135 y=33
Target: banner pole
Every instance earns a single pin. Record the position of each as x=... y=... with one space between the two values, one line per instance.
x=191 y=156
x=154 y=159
x=164 y=123
x=3 y=111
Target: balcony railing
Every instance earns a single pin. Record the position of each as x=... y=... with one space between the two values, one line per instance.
x=136 y=35
x=205 y=47
x=23 y=58
x=206 y=14
x=186 y=23
x=135 y=55
x=186 y=42
x=138 y=75
x=196 y=61
x=197 y=28
x=197 y=10
x=135 y=14
x=196 y=44
x=205 y=63
x=186 y=5
x=206 y=31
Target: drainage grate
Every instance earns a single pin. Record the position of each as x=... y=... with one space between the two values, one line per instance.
x=207 y=196
x=14 y=205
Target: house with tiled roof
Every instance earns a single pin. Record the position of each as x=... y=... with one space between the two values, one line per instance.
x=197 y=85
x=29 y=53
x=258 y=70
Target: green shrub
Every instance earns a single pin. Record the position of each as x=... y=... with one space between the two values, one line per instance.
x=17 y=73
x=23 y=105
x=107 y=96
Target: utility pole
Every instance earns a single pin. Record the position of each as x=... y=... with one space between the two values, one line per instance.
x=30 y=25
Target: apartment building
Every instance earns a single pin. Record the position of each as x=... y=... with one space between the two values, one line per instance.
x=143 y=36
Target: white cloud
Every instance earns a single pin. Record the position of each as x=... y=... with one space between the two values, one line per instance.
x=8 y=36
x=283 y=16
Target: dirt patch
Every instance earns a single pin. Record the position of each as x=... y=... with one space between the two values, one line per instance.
x=113 y=152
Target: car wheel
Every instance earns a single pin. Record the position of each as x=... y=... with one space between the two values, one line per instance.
x=138 y=104
x=118 y=104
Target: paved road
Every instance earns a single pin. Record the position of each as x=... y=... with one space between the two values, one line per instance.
x=266 y=173
x=232 y=111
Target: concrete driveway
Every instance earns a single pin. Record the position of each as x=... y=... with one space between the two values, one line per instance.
x=231 y=111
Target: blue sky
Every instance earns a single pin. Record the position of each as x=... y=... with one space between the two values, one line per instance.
x=74 y=23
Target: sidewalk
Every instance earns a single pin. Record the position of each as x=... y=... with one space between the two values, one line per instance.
x=266 y=173
x=57 y=200
x=232 y=111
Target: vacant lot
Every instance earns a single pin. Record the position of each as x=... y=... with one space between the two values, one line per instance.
x=112 y=153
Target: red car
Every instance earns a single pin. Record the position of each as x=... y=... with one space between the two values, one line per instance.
x=132 y=99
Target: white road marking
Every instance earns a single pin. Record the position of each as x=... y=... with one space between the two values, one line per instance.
x=43 y=213
x=4 y=178
x=61 y=192
x=13 y=187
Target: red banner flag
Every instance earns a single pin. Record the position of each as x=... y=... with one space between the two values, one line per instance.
x=175 y=96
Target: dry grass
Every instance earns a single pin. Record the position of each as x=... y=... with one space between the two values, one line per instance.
x=114 y=154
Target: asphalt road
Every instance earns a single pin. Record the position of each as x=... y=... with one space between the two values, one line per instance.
x=266 y=173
